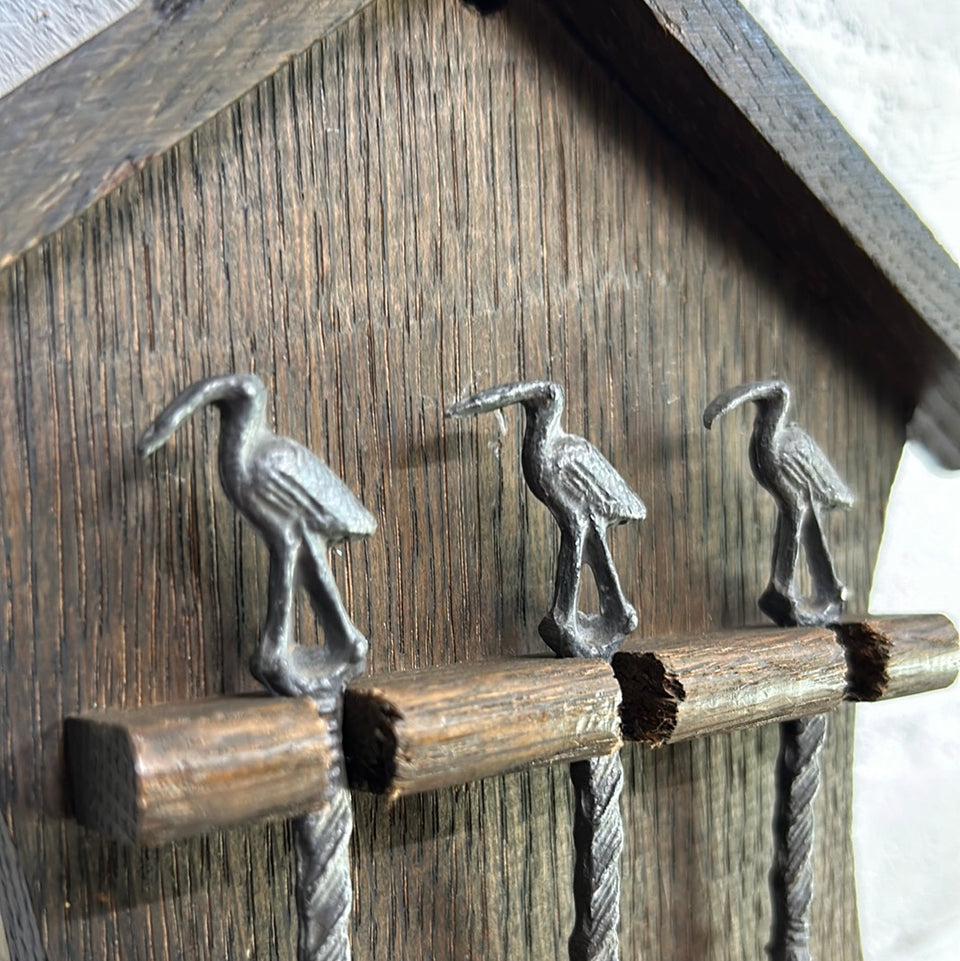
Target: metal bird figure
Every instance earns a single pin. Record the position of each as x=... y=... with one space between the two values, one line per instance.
x=586 y=496
x=300 y=509
x=788 y=464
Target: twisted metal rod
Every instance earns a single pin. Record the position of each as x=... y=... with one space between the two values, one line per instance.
x=324 y=890
x=791 y=878
x=598 y=846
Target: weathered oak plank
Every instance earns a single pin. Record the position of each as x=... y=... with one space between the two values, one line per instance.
x=707 y=72
x=424 y=202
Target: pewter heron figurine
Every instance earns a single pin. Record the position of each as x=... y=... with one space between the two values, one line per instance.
x=787 y=463
x=586 y=496
x=301 y=508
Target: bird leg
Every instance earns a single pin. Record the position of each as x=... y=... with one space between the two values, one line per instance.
x=779 y=600
x=829 y=594
x=344 y=647
x=559 y=627
x=271 y=664
x=618 y=615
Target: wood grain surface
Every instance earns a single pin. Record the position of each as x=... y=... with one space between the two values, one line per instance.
x=442 y=727
x=152 y=774
x=896 y=656
x=426 y=202
x=680 y=688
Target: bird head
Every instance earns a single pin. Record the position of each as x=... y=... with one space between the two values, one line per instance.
x=761 y=392
x=226 y=392
x=532 y=394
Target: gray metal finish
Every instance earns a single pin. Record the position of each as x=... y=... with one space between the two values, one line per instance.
x=791 y=876
x=787 y=463
x=586 y=496
x=19 y=932
x=598 y=848
x=300 y=509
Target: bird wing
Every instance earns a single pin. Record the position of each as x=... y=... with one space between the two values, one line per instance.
x=584 y=474
x=806 y=467
x=298 y=484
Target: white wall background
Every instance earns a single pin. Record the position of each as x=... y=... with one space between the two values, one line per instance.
x=890 y=71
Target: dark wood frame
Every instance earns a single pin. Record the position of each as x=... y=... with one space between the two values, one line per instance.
x=77 y=128
x=69 y=286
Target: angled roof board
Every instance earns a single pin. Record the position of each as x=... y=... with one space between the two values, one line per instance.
x=703 y=68
x=127 y=90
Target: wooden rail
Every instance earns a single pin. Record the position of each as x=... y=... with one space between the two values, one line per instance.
x=677 y=688
x=173 y=770
x=152 y=774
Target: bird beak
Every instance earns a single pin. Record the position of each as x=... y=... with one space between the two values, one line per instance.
x=496 y=397
x=735 y=396
x=187 y=403
x=148 y=443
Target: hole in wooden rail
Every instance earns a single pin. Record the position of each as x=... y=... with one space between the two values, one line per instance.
x=369 y=740
x=868 y=654
x=651 y=698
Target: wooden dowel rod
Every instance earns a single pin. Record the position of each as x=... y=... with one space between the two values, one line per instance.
x=422 y=730
x=895 y=656
x=153 y=774
x=158 y=773
x=678 y=688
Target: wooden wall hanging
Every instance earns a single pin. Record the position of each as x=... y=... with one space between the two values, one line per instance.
x=422 y=203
